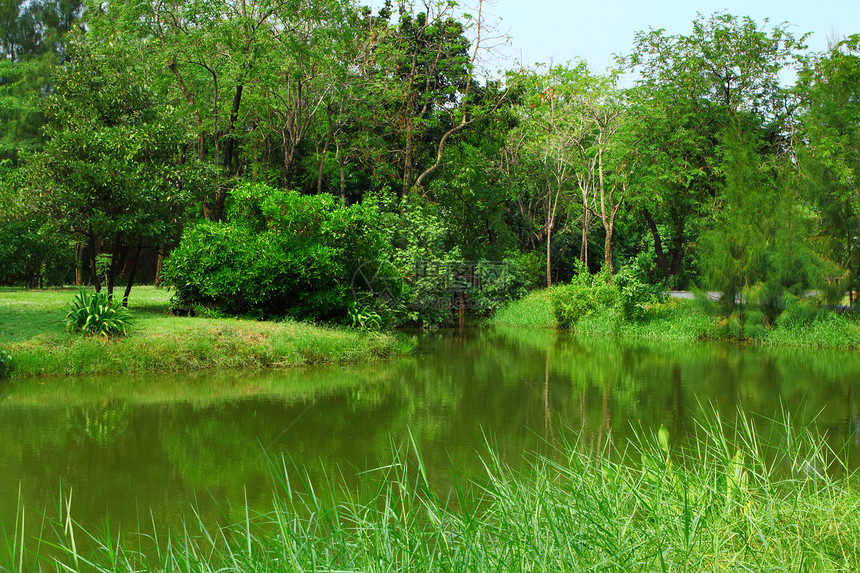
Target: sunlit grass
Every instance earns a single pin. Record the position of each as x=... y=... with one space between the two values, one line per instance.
x=679 y=319
x=31 y=326
x=535 y=310
x=727 y=500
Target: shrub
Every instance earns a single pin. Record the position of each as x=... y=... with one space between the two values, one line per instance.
x=31 y=257
x=97 y=314
x=799 y=311
x=635 y=294
x=288 y=255
x=500 y=284
x=583 y=296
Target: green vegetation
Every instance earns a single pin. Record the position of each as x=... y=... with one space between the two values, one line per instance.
x=602 y=308
x=726 y=499
x=96 y=313
x=279 y=253
x=140 y=137
x=535 y=309
x=31 y=324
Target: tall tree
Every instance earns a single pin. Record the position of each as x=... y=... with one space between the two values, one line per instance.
x=689 y=87
x=107 y=175
x=31 y=45
x=831 y=160
x=568 y=136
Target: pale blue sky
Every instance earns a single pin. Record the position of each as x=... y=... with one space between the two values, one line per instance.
x=595 y=29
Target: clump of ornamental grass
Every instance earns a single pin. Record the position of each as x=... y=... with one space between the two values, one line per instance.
x=96 y=313
x=732 y=497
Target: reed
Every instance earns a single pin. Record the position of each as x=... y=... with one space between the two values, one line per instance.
x=727 y=499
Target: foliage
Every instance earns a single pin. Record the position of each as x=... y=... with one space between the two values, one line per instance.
x=32 y=257
x=533 y=310
x=107 y=176
x=692 y=86
x=297 y=256
x=500 y=283
x=831 y=160
x=5 y=363
x=584 y=296
x=120 y=133
x=635 y=293
x=96 y=313
x=363 y=318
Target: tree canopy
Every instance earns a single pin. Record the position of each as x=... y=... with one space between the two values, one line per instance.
x=128 y=124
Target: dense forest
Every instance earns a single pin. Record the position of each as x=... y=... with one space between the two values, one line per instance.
x=258 y=156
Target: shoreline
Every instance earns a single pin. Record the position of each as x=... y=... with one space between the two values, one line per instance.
x=32 y=330
x=682 y=320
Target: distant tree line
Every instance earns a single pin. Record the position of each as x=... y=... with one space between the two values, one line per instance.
x=127 y=126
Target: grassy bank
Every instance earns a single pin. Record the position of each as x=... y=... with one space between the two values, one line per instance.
x=678 y=319
x=535 y=310
x=32 y=331
x=725 y=502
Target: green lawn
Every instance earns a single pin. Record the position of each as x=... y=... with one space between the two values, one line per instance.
x=33 y=331
x=678 y=319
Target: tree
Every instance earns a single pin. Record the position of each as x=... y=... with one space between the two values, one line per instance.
x=31 y=44
x=248 y=77
x=567 y=141
x=107 y=176
x=689 y=88
x=831 y=160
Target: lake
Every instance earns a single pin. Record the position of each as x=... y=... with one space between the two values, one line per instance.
x=133 y=451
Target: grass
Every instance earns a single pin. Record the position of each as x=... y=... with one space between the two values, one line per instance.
x=681 y=320
x=726 y=501
x=32 y=330
x=535 y=310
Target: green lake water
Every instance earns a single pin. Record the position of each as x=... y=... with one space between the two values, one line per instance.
x=131 y=451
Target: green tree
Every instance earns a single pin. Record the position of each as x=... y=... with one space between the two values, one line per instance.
x=689 y=88
x=107 y=175
x=31 y=44
x=831 y=160
x=568 y=143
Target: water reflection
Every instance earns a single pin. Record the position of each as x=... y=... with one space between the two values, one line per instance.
x=130 y=446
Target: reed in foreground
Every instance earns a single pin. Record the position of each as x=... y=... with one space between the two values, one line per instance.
x=725 y=501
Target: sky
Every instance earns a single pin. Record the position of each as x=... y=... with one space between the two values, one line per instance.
x=561 y=30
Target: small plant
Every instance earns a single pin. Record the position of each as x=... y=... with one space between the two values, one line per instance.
x=95 y=313
x=5 y=363
x=364 y=318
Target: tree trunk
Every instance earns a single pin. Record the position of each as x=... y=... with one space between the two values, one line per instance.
x=340 y=163
x=79 y=263
x=115 y=263
x=662 y=262
x=548 y=250
x=583 y=249
x=159 y=265
x=97 y=282
x=407 y=160
x=607 y=248
x=131 y=275
x=677 y=253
